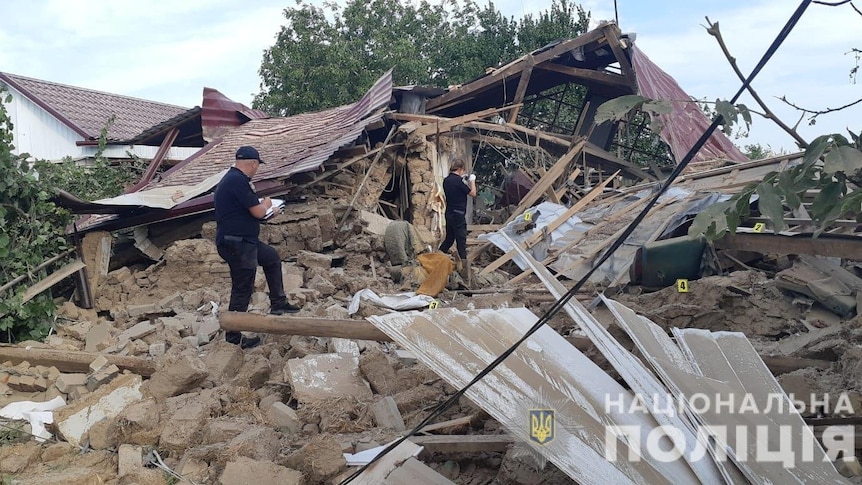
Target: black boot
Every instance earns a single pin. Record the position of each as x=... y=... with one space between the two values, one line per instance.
x=283 y=307
x=237 y=338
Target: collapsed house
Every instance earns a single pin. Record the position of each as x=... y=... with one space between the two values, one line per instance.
x=152 y=389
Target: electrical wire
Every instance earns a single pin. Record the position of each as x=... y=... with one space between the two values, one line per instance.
x=559 y=304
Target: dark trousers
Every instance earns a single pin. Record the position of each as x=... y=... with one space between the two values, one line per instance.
x=243 y=257
x=456 y=232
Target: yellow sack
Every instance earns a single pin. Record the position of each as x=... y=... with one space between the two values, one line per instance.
x=438 y=266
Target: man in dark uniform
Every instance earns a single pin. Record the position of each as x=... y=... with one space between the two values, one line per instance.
x=238 y=213
x=456 y=188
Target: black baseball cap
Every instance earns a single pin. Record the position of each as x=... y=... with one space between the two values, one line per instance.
x=248 y=153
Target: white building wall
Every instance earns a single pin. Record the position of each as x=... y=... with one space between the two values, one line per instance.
x=37 y=132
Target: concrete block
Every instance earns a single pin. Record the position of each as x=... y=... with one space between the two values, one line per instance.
x=145 y=309
x=130 y=460
x=182 y=375
x=138 y=330
x=74 y=420
x=344 y=346
x=157 y=349
x=101 y=377
x=321 y=377
x=97 y=363
x=78 y=392
x=171 y=302
x=284 y=417
x=240 y=469
x=98 y=337
x=65 y=382
x=386 y=414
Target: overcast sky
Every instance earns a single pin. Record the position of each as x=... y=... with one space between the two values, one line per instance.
x=169 y=51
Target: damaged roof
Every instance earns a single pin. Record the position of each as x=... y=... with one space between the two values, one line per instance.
x=289 y=146
x=87 y=111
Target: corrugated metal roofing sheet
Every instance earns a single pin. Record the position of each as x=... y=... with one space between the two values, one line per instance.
x=87 y=111
x=686 y=123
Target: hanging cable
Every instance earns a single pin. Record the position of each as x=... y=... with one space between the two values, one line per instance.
x=559 y=304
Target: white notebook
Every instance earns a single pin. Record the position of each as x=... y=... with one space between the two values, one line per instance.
x=277 y=206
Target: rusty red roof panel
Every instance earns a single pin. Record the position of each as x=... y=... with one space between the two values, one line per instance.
x=686 y=123
x=220 y=114
x=87 y=111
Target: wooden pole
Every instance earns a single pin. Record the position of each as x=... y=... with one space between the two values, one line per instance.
x=73 y=360
x=312 y=327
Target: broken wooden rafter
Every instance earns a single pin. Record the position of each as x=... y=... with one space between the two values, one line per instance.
x=42 y=265
x=445 y=125
x=512 y=128
x=610 y=219
x=493 y=140
x=52 y=279
x=614 y=41
x=73 y=360
x=510 y=70
x=617 y=163
x=553 y=225
x=538 y=189
x=522 y=88
x=838 y=246
x=588 y=75
x=306 y=326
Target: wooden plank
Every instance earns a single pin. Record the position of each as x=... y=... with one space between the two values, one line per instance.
x=612 y=34
x=543 y=372
x=589 y=75
x=849 y=247
x=52 y=279
x=553 y=225
x=522 y=89
x=445 y=126
x=512 y=128
x=45 y=263
x=449 y=443
x=571 y=178
x=72 y=360
x=483 y=227
x=537 y=190
x=312 y=327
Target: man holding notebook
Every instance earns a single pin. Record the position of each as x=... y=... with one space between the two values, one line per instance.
x=238 y=212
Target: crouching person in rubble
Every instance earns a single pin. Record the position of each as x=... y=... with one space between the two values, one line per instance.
x=238 y=214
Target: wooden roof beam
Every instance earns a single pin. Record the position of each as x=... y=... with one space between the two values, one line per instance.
x=512 y=69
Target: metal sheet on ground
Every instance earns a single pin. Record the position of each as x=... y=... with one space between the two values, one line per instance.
x=545 y=372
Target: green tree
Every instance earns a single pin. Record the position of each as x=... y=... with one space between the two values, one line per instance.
x=32 y=226
x=329 y=56
x=31 y=231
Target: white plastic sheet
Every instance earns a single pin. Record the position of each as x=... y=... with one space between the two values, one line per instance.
x=37 y=413
x=396 y=301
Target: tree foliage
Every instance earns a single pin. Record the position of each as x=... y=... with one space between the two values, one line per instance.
x=32 y=226
x=830 y=167
x=328 y=56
